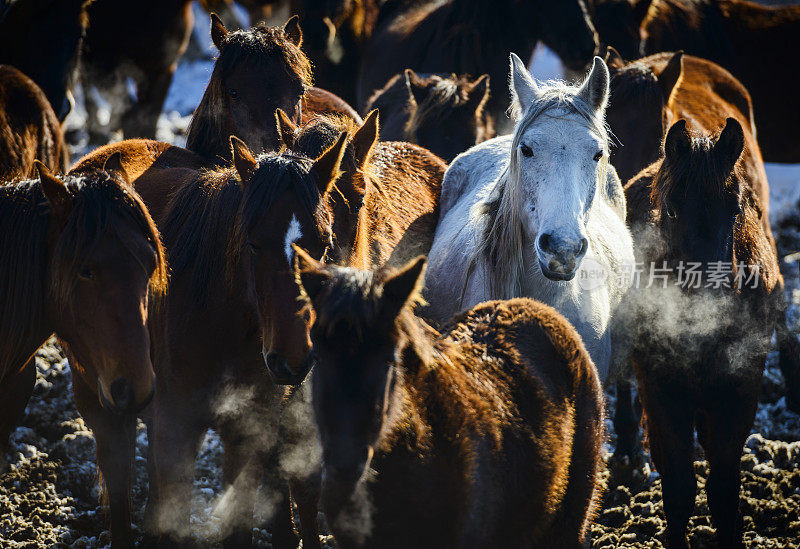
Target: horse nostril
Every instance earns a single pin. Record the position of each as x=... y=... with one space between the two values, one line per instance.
x=546 y=243
x=583 y=247
x=122 y=393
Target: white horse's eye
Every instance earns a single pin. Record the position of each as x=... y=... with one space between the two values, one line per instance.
x=598 y=156
x=526 y=150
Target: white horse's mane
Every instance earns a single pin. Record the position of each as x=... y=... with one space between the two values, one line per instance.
x=499 y=230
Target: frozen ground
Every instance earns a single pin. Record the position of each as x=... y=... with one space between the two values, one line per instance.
x=48 y=497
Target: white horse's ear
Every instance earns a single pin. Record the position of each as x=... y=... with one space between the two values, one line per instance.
x=595 y=89
x=522 y=85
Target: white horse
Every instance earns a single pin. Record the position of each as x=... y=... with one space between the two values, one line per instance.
x=539 y=213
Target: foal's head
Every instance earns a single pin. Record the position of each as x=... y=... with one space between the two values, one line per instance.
x=105 y=265
x=698 y=193
x=360 y=334
x=559 y=158
x=285 y=201
x=257 y=71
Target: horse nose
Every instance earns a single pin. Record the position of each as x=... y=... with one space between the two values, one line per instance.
x=283 y=374
x=122 y=394
x=560 y=257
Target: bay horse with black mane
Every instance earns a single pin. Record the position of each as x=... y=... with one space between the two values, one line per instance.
x=29 y=129
x=81 y=257
x=647 y=96
x=754 y=42
x=475 y=37
x=443 y=113
x=487 y=435
x=700 y=344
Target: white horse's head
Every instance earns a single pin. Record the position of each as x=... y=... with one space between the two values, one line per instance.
x=559 y=157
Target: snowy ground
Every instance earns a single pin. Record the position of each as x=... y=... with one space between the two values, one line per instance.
x=48 y=498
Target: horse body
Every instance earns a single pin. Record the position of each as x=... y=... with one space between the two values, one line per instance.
x=752 y=41
x=474 y=37
x=477 y=257
x=29 y=129
x=478 y=437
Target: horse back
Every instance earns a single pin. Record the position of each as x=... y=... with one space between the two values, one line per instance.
x=318 y=101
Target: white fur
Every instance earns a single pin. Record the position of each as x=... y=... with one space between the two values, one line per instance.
x=572 y=195
x=293 y=234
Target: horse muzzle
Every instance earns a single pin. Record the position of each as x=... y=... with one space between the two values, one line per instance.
x=559 y=258
x=122 y=397
x=282 y=374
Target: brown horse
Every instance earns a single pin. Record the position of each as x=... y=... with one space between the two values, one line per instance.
x=29 y=129
x=141 y=41
x=700 y=344
x=42 y=38
x=475 y=37
x=442 y=113
x=81 y=257
x=647 y=95
x=752 y=41
x=617 y=23
x=486 y=436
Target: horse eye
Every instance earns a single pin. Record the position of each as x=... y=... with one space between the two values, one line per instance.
x=598 y=156
x=86 y=273
x=234 y=93
x=526 y=150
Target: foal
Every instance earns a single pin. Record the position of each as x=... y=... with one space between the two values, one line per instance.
x=442 y=113
x=487 y=436
x=699 y=346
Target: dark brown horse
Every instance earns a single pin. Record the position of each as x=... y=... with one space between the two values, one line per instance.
x=754 y=42
x=486 y=436
x=81 y=257
x=442 y=113
x=475 y=37
x=141 y=41
x=700 y=343
x=29 y=129
x=617 y=23
x=42 y=38
x=647 y=95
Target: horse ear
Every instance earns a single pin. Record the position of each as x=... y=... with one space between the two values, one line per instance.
x=219 y=34
x=522 y=85
x=113 y=165
x=310 y=275
x=364 y=139
x=678 y=141
x=326 y=167
x=669 y=76
x=730 y=144
x=286 y=128
x=614 y=60
x=402 y=287
x=595 y=89
x=293 y=32
x=479 y=93
x=415 y=85
x=56 y=193
x=243 y=160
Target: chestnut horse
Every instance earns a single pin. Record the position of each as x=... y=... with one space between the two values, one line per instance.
x=752 y=41
x=42 y=38
x=647 y=95
x=29 y=129
x=81 y=257
x=486 y=436
x=475 y=37
x=700 y=344
x=141 y=41
x=442 y=113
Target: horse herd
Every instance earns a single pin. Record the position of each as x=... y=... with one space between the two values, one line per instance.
x=446 y=306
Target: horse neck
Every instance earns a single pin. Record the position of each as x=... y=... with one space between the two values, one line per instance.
x=748 y=23
x=205 y=135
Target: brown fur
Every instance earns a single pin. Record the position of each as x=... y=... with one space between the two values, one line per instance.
x=473 y=440
x=442 y=113
x=29 y=129
x=752 y=41
x=617 y=23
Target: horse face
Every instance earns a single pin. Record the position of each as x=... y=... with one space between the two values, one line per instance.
x=568 y=31
x=105 y=321
x=253 y=91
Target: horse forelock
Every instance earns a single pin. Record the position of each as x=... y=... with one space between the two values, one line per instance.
x=500 y=235
x=442 y=94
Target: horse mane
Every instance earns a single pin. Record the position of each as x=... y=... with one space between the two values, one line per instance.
x=636 y=82
x=30 y=277
x=206 y=135
x=500 y=237
x=207 y=220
